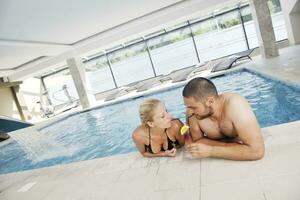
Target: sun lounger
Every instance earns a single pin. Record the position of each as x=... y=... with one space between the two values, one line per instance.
x=179 y=75
x=224 y=64
x=182 y=75
x=116 y=93
x=199 y=68
x=228 y=63
x=150 y=83
x=244 y=54
x=138 y=86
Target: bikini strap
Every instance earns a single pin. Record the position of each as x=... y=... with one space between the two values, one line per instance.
x=149 y=137
x=167 y=134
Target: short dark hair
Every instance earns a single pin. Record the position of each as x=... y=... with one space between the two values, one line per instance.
x=199 y=88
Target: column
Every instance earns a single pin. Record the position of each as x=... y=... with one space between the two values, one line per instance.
x=291 y=11
x=86 y=96
x=20 y=103
x=264 y=29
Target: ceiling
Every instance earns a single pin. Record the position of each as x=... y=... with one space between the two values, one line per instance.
x=37 y=35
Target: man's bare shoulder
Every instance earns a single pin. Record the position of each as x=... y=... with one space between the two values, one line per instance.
x=234 y=100
x=236 y=105
x=230 y=96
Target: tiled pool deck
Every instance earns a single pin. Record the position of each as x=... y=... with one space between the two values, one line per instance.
x=130 y=176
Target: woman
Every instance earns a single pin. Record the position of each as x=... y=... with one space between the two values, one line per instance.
x=159 y=134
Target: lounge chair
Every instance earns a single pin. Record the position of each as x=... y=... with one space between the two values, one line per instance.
x=138 y=86
x=150 y=83
x=200 y=67
x=116 y=93
x=244 y=54
x=182 y=75
x=224 y=64
x=228 y=63
x=179 y=75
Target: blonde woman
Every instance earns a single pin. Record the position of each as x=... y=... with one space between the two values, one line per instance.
x=159 y=134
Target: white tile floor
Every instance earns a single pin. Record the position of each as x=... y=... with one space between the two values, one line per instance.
x=130 y=176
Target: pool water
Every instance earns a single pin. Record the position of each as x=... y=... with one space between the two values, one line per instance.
x=107 y=130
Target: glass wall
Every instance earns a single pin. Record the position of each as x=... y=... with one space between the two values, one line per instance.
x=219 y=36
x=277 y=21
x=131 y=64
x=99 y=74
x=249 y=27
x=172 y=51
x=60 y=87
x=216 y=35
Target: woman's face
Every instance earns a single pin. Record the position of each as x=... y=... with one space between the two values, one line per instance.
x=161 y=118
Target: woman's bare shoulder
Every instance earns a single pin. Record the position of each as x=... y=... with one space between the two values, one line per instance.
x=138 y=133
x=176 y=125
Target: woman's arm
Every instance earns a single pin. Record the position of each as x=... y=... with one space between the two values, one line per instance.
x=167 y=153
x=176 y=126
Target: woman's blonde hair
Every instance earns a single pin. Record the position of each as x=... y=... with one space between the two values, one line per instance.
x=147 y=111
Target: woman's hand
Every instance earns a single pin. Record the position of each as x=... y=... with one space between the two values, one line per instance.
x=171 y=153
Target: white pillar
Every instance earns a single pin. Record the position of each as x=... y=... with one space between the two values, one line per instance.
x=264 y=28
x=291 y=11
x=86 y=96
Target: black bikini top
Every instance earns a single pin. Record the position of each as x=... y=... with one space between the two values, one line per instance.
x=171 y=144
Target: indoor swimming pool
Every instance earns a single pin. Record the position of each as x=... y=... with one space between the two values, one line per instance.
x=106 y=131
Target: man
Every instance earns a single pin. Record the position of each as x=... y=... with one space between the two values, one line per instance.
x=222 y=126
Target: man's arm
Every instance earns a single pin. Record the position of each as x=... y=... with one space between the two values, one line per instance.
x=176 y=126
x=246 y=127
x=195 y=130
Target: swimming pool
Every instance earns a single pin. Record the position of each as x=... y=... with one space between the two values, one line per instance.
x=107 y=130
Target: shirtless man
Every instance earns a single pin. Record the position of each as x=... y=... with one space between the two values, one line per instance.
x=222 y=126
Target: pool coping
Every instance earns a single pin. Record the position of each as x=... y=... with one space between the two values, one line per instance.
x=111 y=176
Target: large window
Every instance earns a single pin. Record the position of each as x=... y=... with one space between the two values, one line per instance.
x=279 y=26
x=204 y=27
x=99 y=74
x=277 y=21
x=60 y=87
x=249 y=27
x=219 y=36
x=131 y=64
x=274 y=6
x=172 y=51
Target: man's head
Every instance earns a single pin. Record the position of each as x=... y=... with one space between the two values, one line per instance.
x=199 y=95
